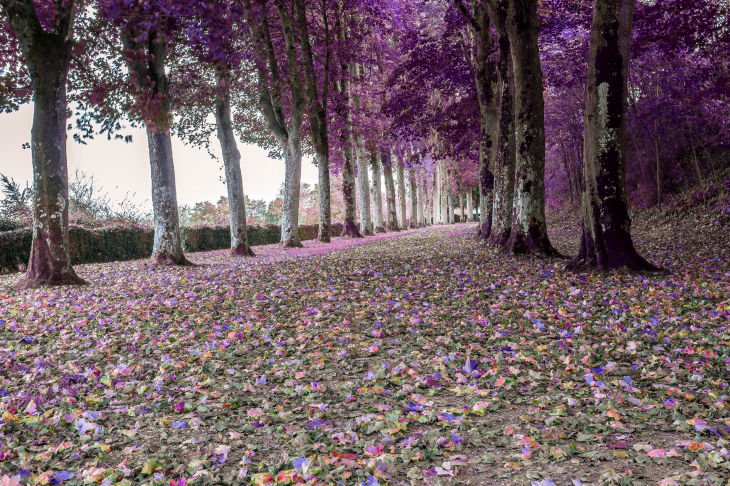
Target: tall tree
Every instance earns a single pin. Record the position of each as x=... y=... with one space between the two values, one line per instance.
x=232 y=164
x=272 y=82
x=606 y=238
x=504 y=164
x=146 y=52
x=317 y=104
x=47 y=51
x=391 y=220
x=377 y=193
x=529 y=229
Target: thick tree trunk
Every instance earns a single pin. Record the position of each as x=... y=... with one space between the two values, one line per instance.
x=377 y=193
x=469 y=206
x=350 y=229
x=402 y=219
x=529 y=230
x=234 y=180
x=606 y=240
x=419 y=201
x=414 y=222
x=167 y=248
x=47 y=56
x=363 y=188
x=504 y=171
x=390 y=203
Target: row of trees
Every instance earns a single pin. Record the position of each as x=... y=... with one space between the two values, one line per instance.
x=440 y=96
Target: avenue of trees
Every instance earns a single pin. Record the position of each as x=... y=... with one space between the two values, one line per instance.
x=426 y=108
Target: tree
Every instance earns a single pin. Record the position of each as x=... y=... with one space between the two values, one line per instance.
x=529 y=229
x=47 y=48
x=606 y=238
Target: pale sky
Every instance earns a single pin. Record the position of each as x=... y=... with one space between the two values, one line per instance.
x=120 y=167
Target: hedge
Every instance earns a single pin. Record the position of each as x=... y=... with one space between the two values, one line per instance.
x=119 y=243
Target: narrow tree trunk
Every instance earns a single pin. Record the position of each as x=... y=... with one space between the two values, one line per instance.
x=419 y=201
x=292 y=187
x=234 y=180
x=606 y=240
x=436 y=195
x=402 y=220
x=469 y=206
x=350 y=229
x=462 y=208
x=392 y=218
x=47 y=56
x=167 y=248
x=658 y=166
x=324 y=232
x=366 y=223
x=377 y=193
x=529 y=230
x=443 y=194
x=504 y=171
x=414 y=197
x=450 y=193
x=427 y=201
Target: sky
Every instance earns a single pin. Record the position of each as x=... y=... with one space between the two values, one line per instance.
x=123 y=168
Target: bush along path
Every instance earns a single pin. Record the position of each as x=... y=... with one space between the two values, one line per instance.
x=421 y=359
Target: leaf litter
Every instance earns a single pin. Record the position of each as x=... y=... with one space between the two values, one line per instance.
x=424 y=358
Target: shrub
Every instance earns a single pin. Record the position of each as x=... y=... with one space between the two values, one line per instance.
x=132 y=242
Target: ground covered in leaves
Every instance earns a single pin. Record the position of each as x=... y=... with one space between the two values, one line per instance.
x=425 y=358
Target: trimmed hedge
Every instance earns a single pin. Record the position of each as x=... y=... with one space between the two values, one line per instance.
x=119 y=243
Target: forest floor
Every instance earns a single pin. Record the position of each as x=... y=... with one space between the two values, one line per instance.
x=425 y=358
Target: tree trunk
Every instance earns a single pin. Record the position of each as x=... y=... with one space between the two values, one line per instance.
x=529 y=230
x=469 y=206
x=47 y=56
x=414 y=198
x=392 y=218
x=377 y=193
x=350 y=229
x=427 y=200
x=504 y=171
x=450 y=195
x=234 y=180
x=606 y=240
x=658 y=166
x=462 y=209
x=150 y=74
x=363 y=183
x=292 y=187
x=436 y=195
x=324 y=232
x=419 y=201
x=402 y=220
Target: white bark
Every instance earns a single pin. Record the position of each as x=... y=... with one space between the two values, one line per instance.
x=443 y=193
x=427 y=201
x=413 y=197
x=401 y=195
x=377 y=194
x=167 y=245
x=469 y=206
x=292 y=180
x=234 y=180
x=366 y=223
x=419 y=201
x=435 y=197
